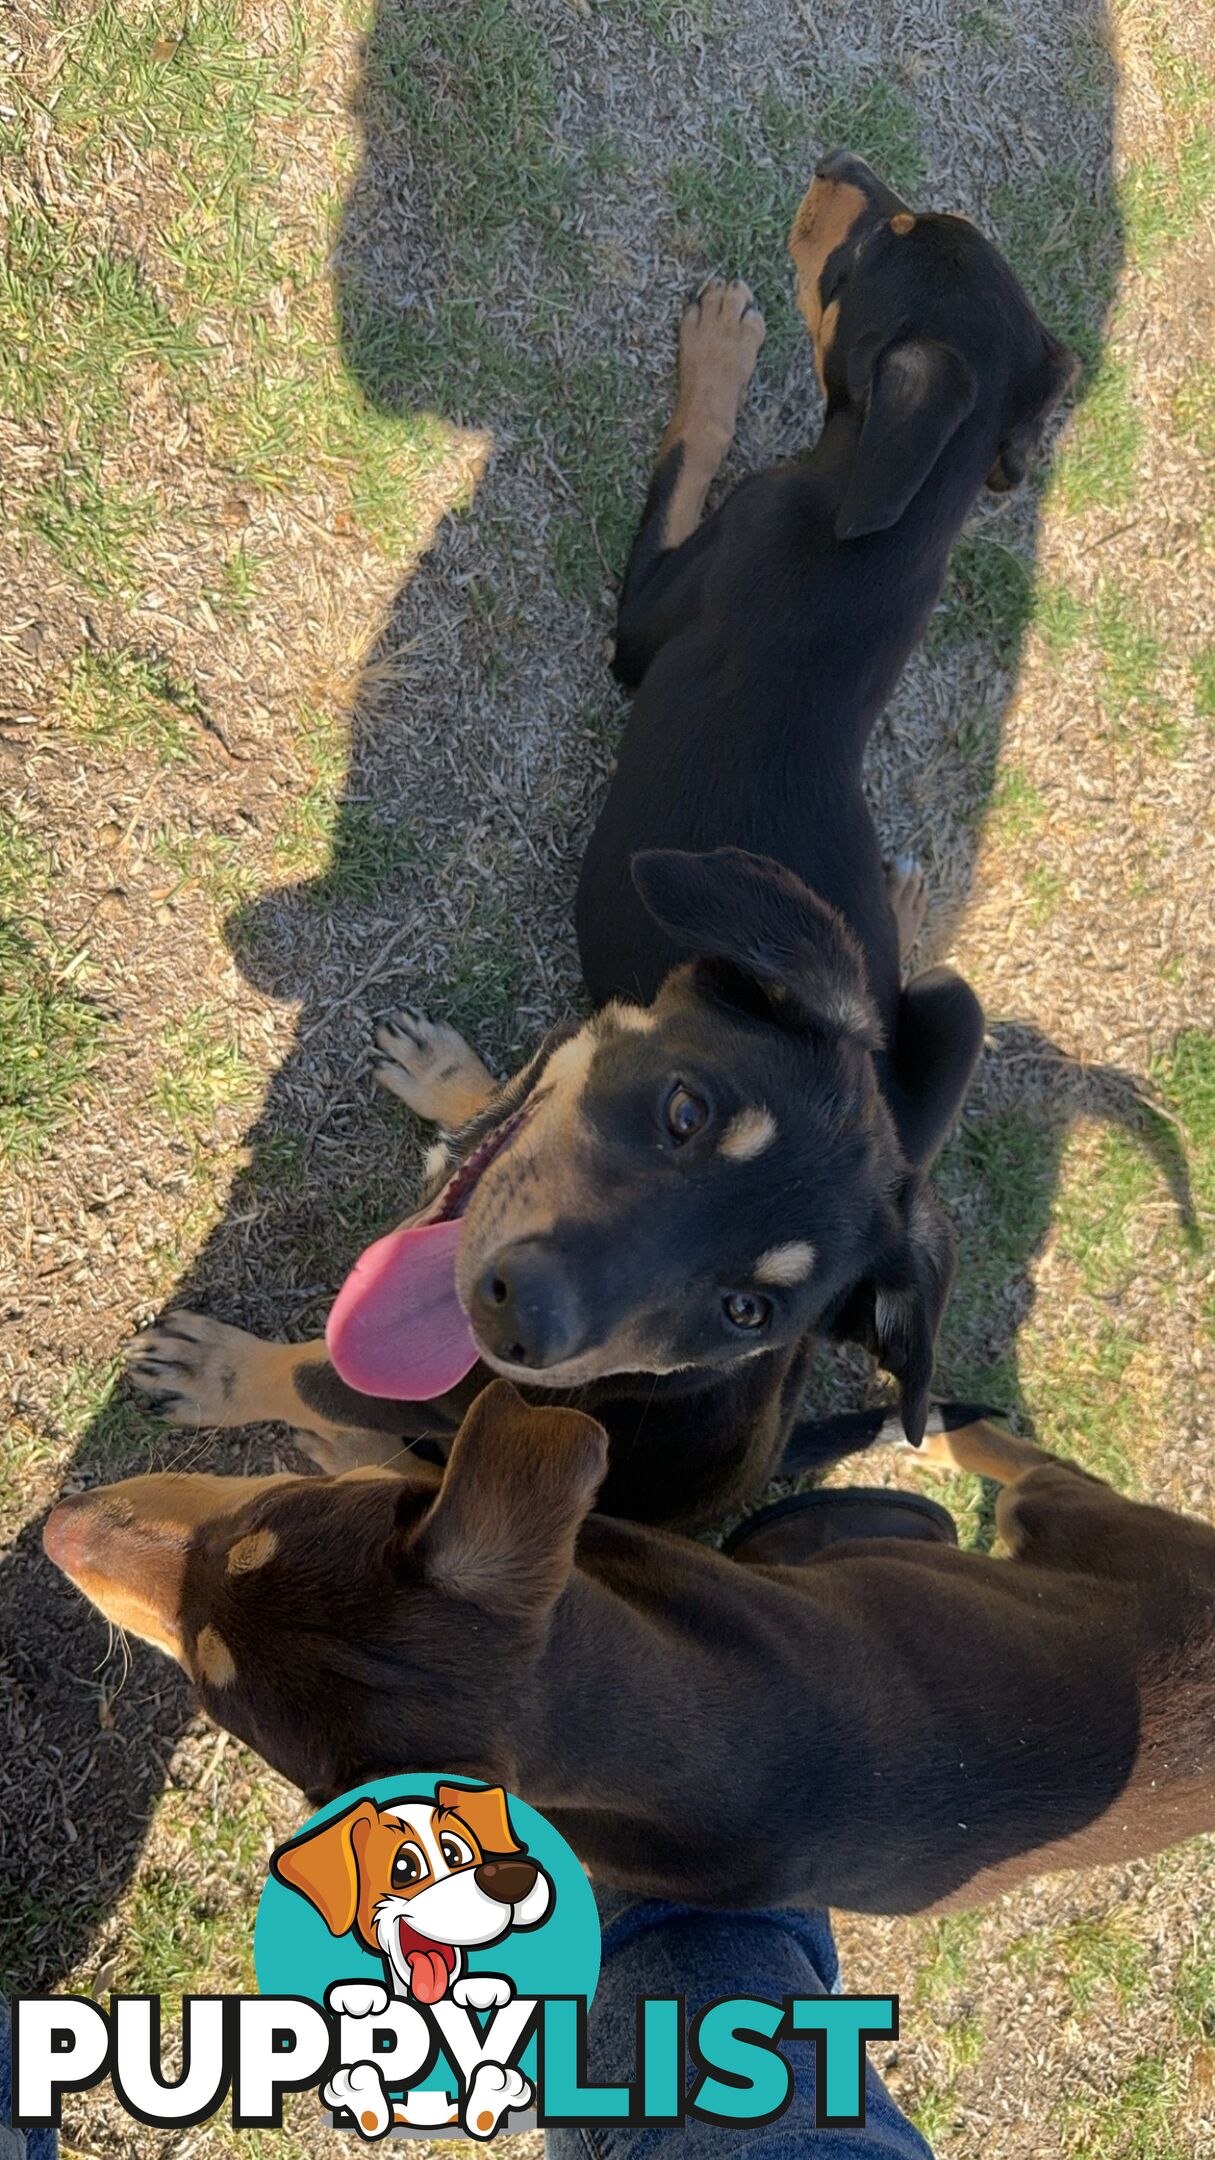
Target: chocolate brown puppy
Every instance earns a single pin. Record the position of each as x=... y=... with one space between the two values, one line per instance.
x=888 y=1727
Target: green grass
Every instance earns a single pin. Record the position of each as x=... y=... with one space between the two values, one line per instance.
x=76 y=320
x=236 y=585
x=733 y=207
x=173 y=1932
x=948 y=1950
x=475 y=90
x=91 y=525
x=989 y=598
x=1186 y=1078
x=203 y=1072
x=1095 y=1956
x=870 y=114
x=1194 y=1989
x=1016 y=810
x=1163 y=202
x=1194 y=410
x=124 y=703
x=1059 y=619
x=1143 y=2118
x=1202 y=674
x=93 y=1406
x=1005 y=1166
x=216 y=862
x=1045 y=889
x=1064 y=239
x=1097 y=466
x=51 y=1035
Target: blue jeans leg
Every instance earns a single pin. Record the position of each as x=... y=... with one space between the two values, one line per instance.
x=651 y=1948
x=18 y=2144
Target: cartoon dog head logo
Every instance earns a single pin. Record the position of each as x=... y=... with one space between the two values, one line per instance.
x=420 y=1882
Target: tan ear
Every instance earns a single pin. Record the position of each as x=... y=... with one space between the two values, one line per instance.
x=484 y=1813
x=323 y=1866
x=518 y=1485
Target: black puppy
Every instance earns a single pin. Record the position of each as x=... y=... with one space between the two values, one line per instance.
x=658 y=1215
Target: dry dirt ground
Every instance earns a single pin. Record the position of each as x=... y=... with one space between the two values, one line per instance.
x=333 y=345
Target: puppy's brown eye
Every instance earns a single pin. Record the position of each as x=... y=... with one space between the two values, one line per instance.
x=455 y=1851
x=685 y=1113
x=407 y=1868
x=743 y=1309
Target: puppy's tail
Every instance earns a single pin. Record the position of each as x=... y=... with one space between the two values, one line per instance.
x=817 y=1443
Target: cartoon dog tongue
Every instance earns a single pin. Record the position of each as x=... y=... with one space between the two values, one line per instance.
x=397 y=1327
x=430 y=1964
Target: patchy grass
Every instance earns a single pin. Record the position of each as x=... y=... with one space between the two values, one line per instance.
x=1145 y=2117
x=1098 y=464
x=869 y=113
x=125 y=703
x=242 y=340
x=1017 y=809
x=204 y=1070
x=91 y=525
x=1095 y=1956
x=51 y=1035
x=989 y=597
x=1193 y=409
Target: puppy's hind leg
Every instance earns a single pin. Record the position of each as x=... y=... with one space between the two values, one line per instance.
x=719 y=340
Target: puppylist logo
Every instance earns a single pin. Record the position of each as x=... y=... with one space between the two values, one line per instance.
x=427 y=1950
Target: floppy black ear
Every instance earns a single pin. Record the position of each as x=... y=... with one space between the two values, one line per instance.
x=754 y=914
x=920 y=393
x=895 y=1312
x=1057 y=372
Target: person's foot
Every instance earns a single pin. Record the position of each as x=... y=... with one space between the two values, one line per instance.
x=908 y=896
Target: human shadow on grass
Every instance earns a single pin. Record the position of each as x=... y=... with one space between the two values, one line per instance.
x=537 y=191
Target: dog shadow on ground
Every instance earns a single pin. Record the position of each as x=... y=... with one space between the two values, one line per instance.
x=521 y=278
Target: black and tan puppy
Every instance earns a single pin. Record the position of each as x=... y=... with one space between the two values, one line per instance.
x=662 y=1211
x=889 y=1726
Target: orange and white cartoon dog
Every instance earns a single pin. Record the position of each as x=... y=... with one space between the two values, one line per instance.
x=421 y=1882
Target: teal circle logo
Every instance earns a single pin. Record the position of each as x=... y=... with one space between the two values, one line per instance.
x=421 y=1911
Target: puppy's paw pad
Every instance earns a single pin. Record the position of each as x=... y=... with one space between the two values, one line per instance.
x=482 y=1991
x=495 y=2091
x=357 y=1998
x=360 y=2088
x=431 y=1067
x=193 y=1367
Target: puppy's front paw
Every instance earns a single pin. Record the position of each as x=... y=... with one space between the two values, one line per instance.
x=482 y=1991
x=360 y=2088
x=432 y=1069
x=494 y=2092
x=357 y=1998
x=197 y=1371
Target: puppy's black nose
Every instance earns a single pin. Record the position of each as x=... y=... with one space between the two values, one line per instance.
x=840 y=165
x=524 y=1310
x=506 y=1880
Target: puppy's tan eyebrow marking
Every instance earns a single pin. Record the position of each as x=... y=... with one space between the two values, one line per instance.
x=785 y=1264
x=252 y=1551
x=902 y=223
x=748 y=1133
x=213 y=1658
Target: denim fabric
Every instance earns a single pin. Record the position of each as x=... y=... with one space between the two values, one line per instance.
x=17 y=2144
x=651 y=1948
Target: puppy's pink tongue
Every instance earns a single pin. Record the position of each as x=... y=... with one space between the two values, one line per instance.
x=427 y=1975
x=397 y=1327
